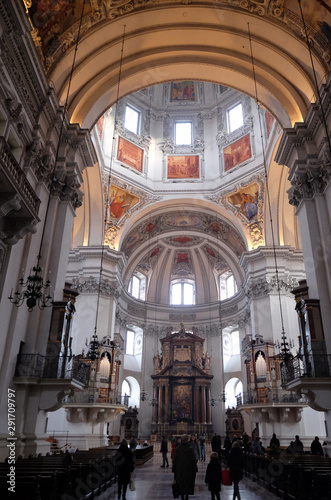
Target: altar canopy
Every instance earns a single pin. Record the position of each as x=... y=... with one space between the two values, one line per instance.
x=182 y=385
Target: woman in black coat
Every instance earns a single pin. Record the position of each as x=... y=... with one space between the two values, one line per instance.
x=214 y=476
x=124 y=465
x=236 y=464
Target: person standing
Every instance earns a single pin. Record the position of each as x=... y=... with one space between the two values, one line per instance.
x=274 y=440
x=236 y=464
x=213 y=476
x=256 y=446
x=184 y=467
x=202 y=441
x=227 y=445
x=174 y=446
x=124 y=465
x=298 y=445
x=133 y=443
x=164 y=451
x=195 y=446
x=316 y=447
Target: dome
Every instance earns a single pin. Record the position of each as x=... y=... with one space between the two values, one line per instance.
x=186 y=206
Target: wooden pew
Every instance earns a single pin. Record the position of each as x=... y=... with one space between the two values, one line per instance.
x=49 y=478
x=292 y=477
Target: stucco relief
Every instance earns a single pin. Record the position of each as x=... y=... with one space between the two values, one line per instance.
x=265 y=286
x=92 y=285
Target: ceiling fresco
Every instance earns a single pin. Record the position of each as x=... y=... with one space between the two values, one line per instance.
x=186 y=223
x=55 y=22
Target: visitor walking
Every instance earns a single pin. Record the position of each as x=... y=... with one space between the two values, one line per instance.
x=202 y=442
x=124 y=466
x=184 y=467
x=195 y=446
x=164 y=451
x=236 y=464
x=213 y=476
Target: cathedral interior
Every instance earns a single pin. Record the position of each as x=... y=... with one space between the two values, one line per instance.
x=165 y=222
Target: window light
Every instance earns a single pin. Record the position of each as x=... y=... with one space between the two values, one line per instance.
x=129 y=342
x=182 y=293
x=235 y=118
x=131 y=120
x=183 y=133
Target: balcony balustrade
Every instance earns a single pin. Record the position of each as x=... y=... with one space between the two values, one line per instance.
x=88 y=397
x=309 y=365
x=51 y=367
x=271 y=397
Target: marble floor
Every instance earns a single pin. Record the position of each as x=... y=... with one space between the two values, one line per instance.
x=154 y=483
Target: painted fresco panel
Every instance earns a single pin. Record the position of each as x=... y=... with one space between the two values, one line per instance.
x=120 y=201
x=246 y=200
x=52 y=18
x=182 y=91
x=183 y=167
x=130 y=154
x=237 y=152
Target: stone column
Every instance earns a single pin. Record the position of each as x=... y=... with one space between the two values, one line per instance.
x=208 y=405
x=166 y=403
x=197 y=405
x=305 y=149
x=155 y=392
x=203 y=404
x=161 y=409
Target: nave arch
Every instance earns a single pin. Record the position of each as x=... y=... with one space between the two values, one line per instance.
x=200 y=42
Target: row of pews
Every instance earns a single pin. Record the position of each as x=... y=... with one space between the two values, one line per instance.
x=59 y=476
x=83 y=475
x=291 y=477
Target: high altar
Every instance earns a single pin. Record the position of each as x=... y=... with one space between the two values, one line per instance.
x=181 y=386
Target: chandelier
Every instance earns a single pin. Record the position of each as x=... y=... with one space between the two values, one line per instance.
x=33 y=290
x=93 y=351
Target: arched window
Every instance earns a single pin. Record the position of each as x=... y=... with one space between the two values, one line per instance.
x=137 y=286
x=126 y=388
x=233 y=391
x=182 y=293
x=228 y=285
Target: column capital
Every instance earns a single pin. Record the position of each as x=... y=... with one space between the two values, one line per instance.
x=308 y=182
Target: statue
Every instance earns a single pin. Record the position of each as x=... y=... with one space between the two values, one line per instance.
x=157 y=360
